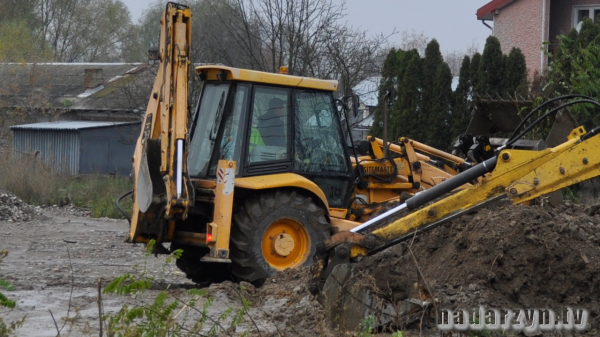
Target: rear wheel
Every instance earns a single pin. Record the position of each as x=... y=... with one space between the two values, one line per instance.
x=274 y=231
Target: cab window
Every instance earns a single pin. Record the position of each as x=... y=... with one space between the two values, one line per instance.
x=269 y=134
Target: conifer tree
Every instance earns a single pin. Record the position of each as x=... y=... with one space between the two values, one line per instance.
x=491 y=68
x=461 y=109
x=474 y=76
x=515 y=73
x=389 y=80
x=394 y=119
x=431 y=62
x=410 y=99
x=439 y=135
x=588 y=34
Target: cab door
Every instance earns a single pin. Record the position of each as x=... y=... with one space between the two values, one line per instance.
x=319 y=151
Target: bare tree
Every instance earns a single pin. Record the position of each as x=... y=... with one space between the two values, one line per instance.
x=83 y=30
x=307 y=36
x=413 y=40
x=354 y=56
x=455 y=58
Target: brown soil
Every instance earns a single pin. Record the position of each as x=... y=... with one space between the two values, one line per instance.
x=514 y=257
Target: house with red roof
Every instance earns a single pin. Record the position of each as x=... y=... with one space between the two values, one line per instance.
x=529 y=24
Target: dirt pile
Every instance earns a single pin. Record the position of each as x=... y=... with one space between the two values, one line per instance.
x=514 y=257
x=13 y=209
x=283 y=306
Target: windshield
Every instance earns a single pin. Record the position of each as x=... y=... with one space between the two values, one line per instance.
x=208 y=118
x=318 y=143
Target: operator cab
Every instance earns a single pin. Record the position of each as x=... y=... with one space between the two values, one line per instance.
x=270 y=124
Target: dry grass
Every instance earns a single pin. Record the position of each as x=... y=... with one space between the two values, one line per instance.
x=38 y=184
x=33 y=181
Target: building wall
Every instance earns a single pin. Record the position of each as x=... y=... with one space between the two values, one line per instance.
x=561 y=15
x=108 y=150
x=58 y=148
x=521 y=24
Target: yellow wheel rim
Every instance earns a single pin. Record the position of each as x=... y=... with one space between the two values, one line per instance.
x=285 y=244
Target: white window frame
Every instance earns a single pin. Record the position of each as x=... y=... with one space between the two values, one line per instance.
x=576 y=10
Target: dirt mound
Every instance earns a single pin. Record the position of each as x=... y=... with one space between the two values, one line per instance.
x=13 y=209
x=510 y=258
x=281 y=307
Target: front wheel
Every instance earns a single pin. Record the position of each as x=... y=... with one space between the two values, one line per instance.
x=273 y=231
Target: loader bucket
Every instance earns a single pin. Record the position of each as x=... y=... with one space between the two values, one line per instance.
x=564 y=123
x=496 y=117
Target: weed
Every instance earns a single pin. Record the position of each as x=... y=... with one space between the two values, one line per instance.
x=366 y=327
x=98 y=194
x=169 y=313
x=7 y=329
x=4 y=301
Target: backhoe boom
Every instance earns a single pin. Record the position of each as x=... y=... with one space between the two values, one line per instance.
x=162 y=189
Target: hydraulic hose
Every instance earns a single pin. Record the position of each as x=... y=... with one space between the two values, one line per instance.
x=121 y=209
x=438 y=190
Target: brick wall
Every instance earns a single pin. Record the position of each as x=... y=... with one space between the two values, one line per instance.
x=521 y=25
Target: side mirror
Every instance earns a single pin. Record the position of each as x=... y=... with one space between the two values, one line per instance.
x=355 y=104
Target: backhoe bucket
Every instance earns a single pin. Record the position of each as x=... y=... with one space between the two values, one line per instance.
x=348 y=300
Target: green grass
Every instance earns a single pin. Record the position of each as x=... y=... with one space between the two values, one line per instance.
x=38 y=184
x=99 y=193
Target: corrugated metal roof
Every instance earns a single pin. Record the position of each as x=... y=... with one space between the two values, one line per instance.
x=367 y=122
x=368 y=90
x=67 y=125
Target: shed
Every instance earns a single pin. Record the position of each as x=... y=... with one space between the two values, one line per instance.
x=79 y=147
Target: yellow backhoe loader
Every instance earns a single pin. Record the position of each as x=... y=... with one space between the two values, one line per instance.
x=257 y=178
x=258 y=173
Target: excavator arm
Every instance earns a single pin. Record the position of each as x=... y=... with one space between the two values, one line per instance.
x=521 y=175
x=162 y=191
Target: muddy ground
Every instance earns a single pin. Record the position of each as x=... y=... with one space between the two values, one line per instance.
x=509 y=257
x=56 y=252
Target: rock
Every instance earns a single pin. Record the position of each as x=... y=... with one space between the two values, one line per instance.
x=14 y=209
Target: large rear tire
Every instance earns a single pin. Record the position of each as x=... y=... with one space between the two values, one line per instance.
x=273 y=231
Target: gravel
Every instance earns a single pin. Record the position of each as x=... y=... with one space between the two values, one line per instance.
x=13 y=209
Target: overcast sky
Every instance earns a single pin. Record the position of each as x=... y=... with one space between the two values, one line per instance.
x=452 y=23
